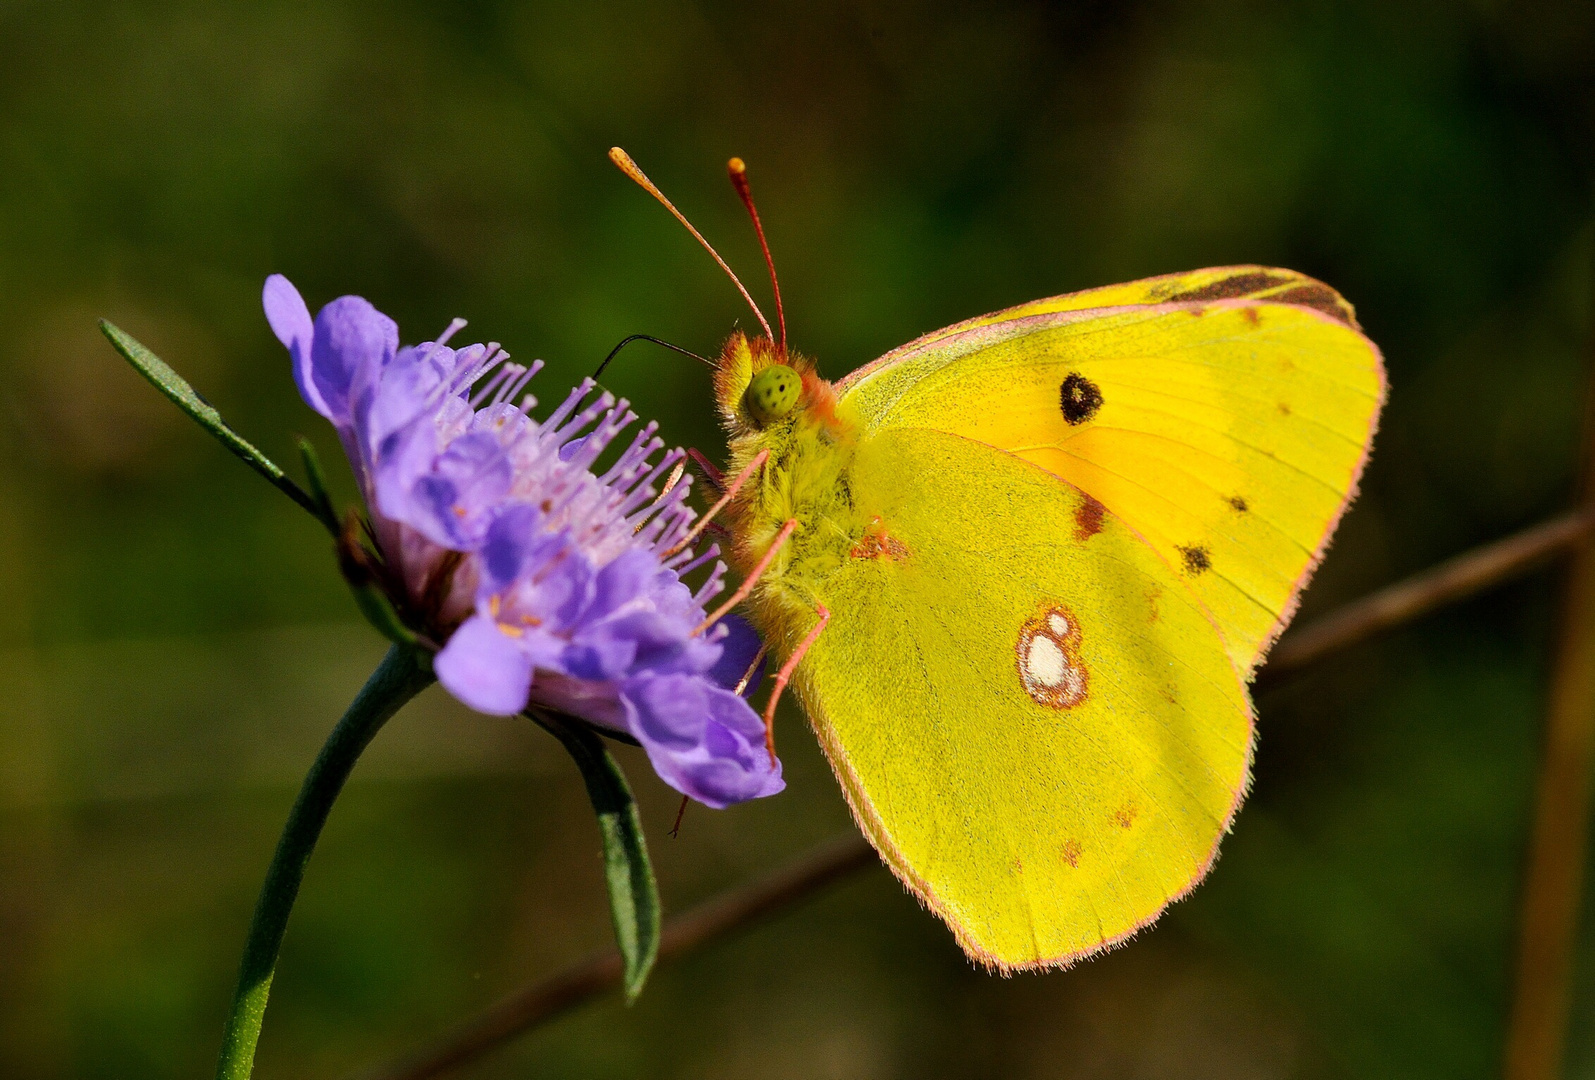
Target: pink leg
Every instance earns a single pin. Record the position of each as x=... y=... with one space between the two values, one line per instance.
x=752 y=579
x=784 y=675
x=715 y=477
x=730 y=493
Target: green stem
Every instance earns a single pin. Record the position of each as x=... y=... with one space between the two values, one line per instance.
x=401 y=675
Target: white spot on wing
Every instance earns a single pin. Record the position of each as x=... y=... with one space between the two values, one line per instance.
x=1045 y=661
x=1048 y=652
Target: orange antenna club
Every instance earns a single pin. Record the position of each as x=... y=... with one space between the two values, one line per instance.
x=624 y=163
x=739 y=180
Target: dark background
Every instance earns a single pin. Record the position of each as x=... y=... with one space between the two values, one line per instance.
x=174 y=640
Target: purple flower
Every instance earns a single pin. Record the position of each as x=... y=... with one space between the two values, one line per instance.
x=550 y=584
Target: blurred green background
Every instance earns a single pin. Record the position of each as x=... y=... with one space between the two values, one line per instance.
x=174 y=640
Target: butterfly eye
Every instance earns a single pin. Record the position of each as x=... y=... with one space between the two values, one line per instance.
x=772 y=393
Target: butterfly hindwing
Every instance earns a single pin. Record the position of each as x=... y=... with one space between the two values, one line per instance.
x=1034 y=720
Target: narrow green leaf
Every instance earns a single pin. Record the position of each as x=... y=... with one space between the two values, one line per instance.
x=633 y=893
x=380 y=614
x=318 y=485
x=175 y=387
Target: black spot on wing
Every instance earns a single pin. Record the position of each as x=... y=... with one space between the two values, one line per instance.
x=1079 y=398
x=1238 y=503
x=1196 y=559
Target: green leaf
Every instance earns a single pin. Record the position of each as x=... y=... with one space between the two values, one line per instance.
x=380 y=614
x=318 y=485
x=175 y=387
x=633 y=893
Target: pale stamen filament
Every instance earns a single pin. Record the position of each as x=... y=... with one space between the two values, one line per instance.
x=747 y=676
x=664 y=494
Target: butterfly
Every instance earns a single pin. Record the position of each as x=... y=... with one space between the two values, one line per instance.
x=1020 y=572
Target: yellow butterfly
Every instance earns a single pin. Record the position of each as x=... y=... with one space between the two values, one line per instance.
x=1021 y=571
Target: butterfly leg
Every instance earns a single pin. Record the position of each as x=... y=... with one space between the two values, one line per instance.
x=681 y=812
x=730 y=493
x=752 y=579
x=715 y=478
x=785 y=675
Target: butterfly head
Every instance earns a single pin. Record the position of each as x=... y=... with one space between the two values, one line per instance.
x=772 y=394
x=760 y=386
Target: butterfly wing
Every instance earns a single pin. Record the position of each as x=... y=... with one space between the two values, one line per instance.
x=1223 y=415
x=1036 y=724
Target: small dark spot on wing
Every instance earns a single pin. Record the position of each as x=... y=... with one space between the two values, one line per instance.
x=1196 y=559
x=1239 y=504
x=1079 y=397
x=1088 y=518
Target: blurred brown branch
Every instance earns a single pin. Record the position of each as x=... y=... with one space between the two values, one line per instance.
x=1356 y=622
x=1455 y=579
x=1554 y=879
x=528 y=1007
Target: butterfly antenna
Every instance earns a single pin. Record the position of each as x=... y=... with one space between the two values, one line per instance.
x=739 y=180
x=624 y=163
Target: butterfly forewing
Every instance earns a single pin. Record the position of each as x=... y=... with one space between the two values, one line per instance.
x=1229 y=433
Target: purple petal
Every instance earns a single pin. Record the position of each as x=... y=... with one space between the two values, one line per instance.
x=726 y=762
x=407 y=388
x=667 y=711
x=453 y=504
x=353 y=342
x=738 y=648
x=509 y=543
x=290 y=321
x=624 y=581
x=485 y=668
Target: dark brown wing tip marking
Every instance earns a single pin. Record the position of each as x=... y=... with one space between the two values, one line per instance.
x=1278 y=287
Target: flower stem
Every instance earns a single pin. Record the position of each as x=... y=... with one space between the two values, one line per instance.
x=402 y=674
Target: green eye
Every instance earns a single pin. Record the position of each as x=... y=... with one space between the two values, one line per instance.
x=772 y=393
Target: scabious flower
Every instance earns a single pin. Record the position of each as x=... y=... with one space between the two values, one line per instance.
x=547 y=583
